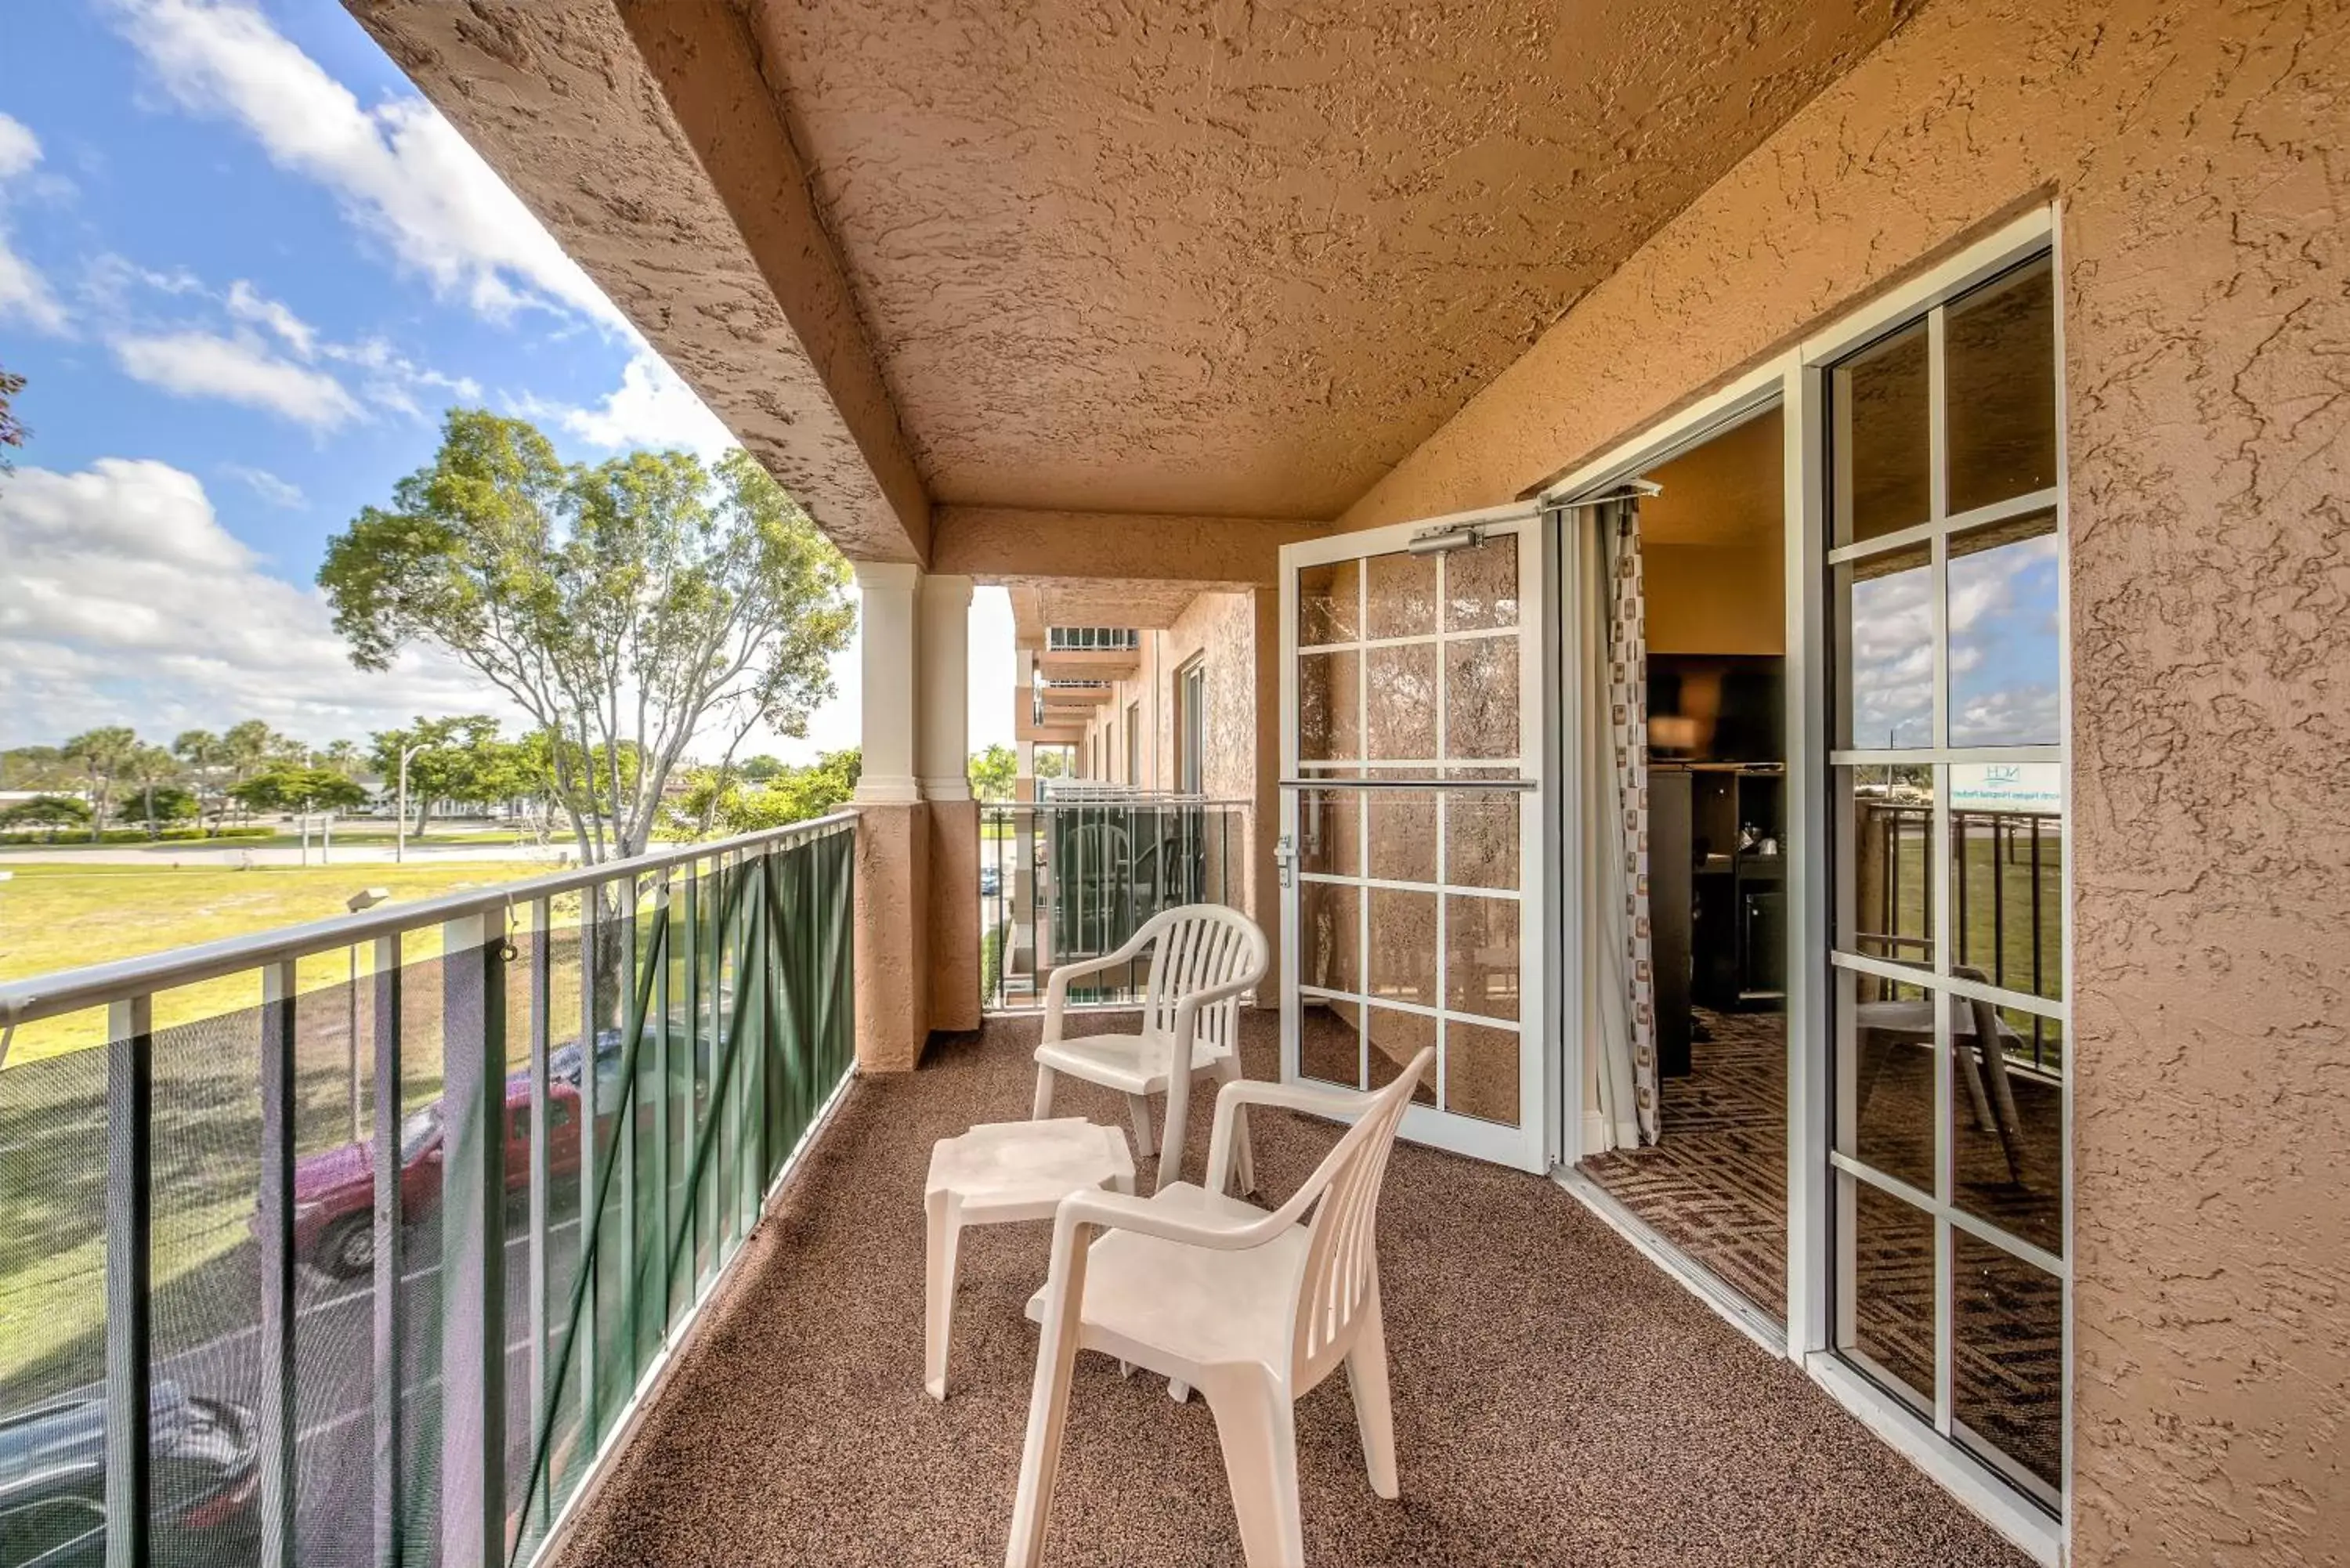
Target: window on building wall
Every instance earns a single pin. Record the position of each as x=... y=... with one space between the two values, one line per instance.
x=1191 y=727
x=1947 y=774
x=1134 y=743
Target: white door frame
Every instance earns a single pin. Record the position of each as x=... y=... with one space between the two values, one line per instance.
x=1530 y=1144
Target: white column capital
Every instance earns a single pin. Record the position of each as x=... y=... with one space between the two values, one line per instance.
x=900 y=576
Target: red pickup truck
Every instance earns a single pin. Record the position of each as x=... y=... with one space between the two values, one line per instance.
x=334 y=1191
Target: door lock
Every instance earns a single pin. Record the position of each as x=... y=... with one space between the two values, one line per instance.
x=1285 y=855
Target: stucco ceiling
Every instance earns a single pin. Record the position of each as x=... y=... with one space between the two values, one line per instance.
x=1240 y=260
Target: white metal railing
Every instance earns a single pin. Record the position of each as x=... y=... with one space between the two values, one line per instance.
x=684 y=1017
x=1091 y=639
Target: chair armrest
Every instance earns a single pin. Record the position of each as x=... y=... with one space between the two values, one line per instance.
x=1330 y=1104
x=1119 y=1211
x=1056 y=990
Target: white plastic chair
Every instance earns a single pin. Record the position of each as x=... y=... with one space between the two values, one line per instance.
x=1253 y=1309
x=1206 y=957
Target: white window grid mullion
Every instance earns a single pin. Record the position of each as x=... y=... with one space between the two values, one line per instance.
x=1919 y=533
x=1442 y=813
x=1847 y=757
x=2056 y=1007
x=2014 y=1246
x=1400 y=885
x=1417 y=1009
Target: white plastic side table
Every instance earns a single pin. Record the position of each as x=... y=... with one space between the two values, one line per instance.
x=996 y=1173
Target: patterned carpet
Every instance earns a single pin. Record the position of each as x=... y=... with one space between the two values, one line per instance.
x=1715 y=1187
x=1715 y=1184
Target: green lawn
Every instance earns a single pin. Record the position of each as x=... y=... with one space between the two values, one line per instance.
x=207 y=1123
x=377 y=835
x=58 y=916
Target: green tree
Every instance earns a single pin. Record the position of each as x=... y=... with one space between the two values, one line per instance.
x=343 y=756
x=456 y=758
x=159 y=805
x=205 y=758
x=104 y=755
x=284 y=787
x=12 y=430
x=36 y=767
x=1052 y=762
x=50 y=811
x=993 y=771
x=759 y=769
x=146 y=767
x=627 y=607
x=796 y=794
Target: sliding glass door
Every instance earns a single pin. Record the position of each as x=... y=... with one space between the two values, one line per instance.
x=1946 y=788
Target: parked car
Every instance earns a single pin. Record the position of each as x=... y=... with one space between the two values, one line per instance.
x=204 y=1479
x=990 y=881
x=333 y=1192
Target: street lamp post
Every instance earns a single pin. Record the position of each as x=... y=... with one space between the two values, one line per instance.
x=400 y=819
x=365 y=899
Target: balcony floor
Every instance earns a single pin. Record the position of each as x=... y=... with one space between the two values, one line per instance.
x=1558 y=1398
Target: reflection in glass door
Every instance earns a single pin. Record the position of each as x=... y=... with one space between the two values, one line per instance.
x=1947 y=796
x=1410 y=738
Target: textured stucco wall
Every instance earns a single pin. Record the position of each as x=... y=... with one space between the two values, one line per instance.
x=2197 y=150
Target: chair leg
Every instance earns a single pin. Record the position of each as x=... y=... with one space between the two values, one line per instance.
x=2002 y=1094
x=1257 y=1428
x=1044 y=1106
x=1367 y=1378
x=1048 y=1419
x=1172 y=1128
x=1962 y=1061
x=1139 y=1106
x=938 y=1290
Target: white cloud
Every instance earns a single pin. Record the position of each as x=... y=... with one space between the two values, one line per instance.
x=25 y=294
x=268 y=486
x=125 y=600
x=399 y=170
x=239 y=369
x=247 y=303
x=650 y=408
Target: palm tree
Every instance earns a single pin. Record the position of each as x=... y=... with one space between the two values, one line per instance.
x=250 y=747
x=204 y=753
x=342 y=756
x=149 y=766
x=104 y=754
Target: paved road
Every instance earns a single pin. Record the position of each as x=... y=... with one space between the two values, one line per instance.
x=334 y=1378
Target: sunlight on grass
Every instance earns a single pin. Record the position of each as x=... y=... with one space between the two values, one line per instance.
x=63 y=915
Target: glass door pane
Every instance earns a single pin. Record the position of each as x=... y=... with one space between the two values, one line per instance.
x=1408 y=826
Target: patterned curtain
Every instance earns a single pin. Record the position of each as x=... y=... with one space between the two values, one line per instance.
x=1627 y=707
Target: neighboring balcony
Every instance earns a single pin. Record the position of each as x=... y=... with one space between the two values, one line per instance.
x=1073 y=876
x=1089 y=653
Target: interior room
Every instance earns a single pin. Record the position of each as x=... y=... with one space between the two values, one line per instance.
x=1704 y=1164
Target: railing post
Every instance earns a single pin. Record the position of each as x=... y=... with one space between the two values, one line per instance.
x=542 y=1169
x=273 y=1230
x=591 y=901
x=472 y=1240
x=130 y=1136
x=391 y=1410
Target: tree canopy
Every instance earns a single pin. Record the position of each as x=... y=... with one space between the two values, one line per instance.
x=629 y=607
x=993 y=771
x=288 y=788
x=12 y=430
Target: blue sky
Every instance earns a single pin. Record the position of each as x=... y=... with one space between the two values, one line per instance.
x=245 y=267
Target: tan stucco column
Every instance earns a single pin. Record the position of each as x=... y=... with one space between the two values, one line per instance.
x=942 y=764
x=893 y=841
